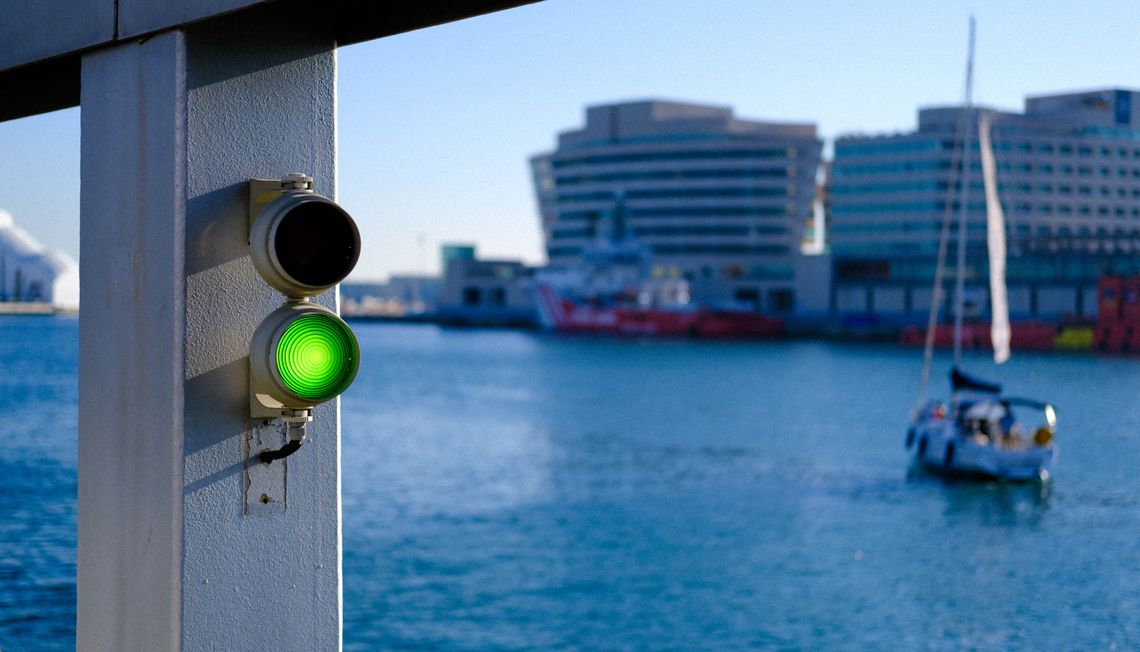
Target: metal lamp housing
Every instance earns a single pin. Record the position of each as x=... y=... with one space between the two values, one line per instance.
x=301 y=355
x=303 y=243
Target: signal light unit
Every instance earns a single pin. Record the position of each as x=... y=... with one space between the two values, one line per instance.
x=302 y=354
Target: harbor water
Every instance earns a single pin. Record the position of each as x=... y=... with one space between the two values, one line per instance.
x=508 y=490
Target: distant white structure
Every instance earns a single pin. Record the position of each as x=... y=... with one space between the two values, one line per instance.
x=30 y=273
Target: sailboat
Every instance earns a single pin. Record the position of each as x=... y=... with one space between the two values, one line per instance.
x=979 y=432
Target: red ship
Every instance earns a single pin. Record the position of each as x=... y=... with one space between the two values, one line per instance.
x=625 y=317
x=611 y=292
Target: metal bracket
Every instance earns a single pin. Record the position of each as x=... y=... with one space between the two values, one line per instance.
x=265 y=484
x=264 y=191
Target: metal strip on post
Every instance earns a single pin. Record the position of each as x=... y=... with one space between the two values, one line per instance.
x=131 y=397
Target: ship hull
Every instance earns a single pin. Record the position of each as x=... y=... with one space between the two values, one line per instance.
x=562 y=315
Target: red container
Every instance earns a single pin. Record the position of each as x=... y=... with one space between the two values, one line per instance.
x=1032 y=337
x=1130 y=304
x=1109 y=338
x=1109 y=292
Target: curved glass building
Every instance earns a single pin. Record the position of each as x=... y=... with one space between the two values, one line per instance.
x=718 y=201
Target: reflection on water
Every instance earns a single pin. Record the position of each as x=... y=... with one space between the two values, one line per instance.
x=991 y=504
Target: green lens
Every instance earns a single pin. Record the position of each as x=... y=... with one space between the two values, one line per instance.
x=317 y=356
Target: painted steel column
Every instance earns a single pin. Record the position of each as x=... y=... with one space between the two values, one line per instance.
x=171 y=556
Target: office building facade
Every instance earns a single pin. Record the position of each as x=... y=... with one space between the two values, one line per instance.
x=1068 y=170
x=718 y=201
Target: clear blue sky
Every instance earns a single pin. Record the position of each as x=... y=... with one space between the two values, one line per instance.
x=436 y=126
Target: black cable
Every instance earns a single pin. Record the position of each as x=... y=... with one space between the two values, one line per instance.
x=281 y=453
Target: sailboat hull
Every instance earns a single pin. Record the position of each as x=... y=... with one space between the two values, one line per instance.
x=940 y=446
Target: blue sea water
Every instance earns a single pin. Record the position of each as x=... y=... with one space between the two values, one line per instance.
x=505 y=490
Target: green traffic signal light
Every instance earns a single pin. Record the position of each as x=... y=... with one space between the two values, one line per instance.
x=317 y=356
x=302 y=354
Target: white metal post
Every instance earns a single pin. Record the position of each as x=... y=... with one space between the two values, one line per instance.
x=171 y=553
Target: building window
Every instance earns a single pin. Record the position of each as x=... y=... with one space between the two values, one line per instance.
x=733 y=271
x=748 y=295
x=471 y=296
x=781 y=300
x=862 y=270
x=497 y=297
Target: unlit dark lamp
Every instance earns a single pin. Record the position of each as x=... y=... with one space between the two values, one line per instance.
x=302 y=243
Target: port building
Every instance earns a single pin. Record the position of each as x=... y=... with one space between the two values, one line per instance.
x=484 y=292
x=29 y=274
x=719 y=201
x=1068 y=170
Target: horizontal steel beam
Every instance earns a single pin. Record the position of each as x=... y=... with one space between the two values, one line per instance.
x=39 y=68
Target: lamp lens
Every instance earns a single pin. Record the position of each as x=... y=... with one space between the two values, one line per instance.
x=317 y=356
x=317 y=243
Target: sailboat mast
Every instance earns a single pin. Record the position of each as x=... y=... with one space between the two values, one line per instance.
x=963 y=207
x=937 y=295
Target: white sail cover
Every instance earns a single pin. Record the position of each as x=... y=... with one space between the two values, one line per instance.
x=995 y=240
